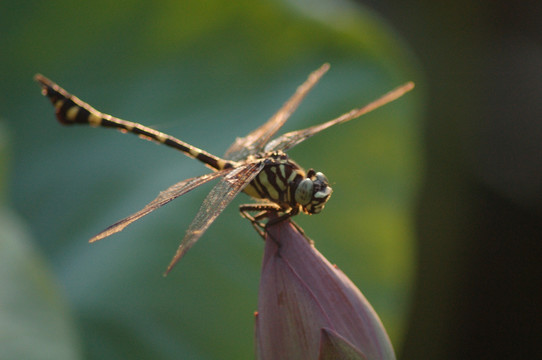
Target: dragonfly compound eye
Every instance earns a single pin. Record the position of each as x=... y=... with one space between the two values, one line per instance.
x=303 y=193
x=321 y=178
x=313 y=193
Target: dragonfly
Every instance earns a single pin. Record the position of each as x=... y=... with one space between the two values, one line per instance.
x=254 y=164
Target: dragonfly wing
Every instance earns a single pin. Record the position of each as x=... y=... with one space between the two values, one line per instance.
x=293 y=138
x=163 y=198
x=215 y=202
x=256 y=140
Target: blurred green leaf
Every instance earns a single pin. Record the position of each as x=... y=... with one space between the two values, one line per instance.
x=35 y=322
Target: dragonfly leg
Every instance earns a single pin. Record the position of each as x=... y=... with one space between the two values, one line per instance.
x=264 y=211
x=284 y=216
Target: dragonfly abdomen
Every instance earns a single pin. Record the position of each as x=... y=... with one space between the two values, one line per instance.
x=71 y=110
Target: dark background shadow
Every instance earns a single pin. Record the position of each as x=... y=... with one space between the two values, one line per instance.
x=480 y=210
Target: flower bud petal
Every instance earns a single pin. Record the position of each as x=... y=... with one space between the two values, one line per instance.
x=301 y=293
x=333 y=346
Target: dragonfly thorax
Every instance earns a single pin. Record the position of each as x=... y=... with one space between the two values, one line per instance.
x=285 y=183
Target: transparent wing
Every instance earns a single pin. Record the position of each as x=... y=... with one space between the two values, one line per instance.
x=256 y=140
x=217 y=200
x=163 y=198
x=293 y=138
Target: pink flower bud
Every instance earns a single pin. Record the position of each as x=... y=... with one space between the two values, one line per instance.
x=308 y=308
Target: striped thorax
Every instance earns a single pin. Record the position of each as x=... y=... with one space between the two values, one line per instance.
x=285 y=183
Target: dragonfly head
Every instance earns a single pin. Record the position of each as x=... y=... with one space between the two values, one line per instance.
x=313 y=192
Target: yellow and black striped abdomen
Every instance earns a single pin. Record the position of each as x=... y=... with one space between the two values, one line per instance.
x=70 y=110
x=277 y=181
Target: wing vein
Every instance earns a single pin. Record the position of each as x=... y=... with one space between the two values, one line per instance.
x=293 y=138
x=163 y=198
x=256 y=140
x=213 y=205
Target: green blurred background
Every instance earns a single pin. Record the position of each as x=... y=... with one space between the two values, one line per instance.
x=437 y=207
